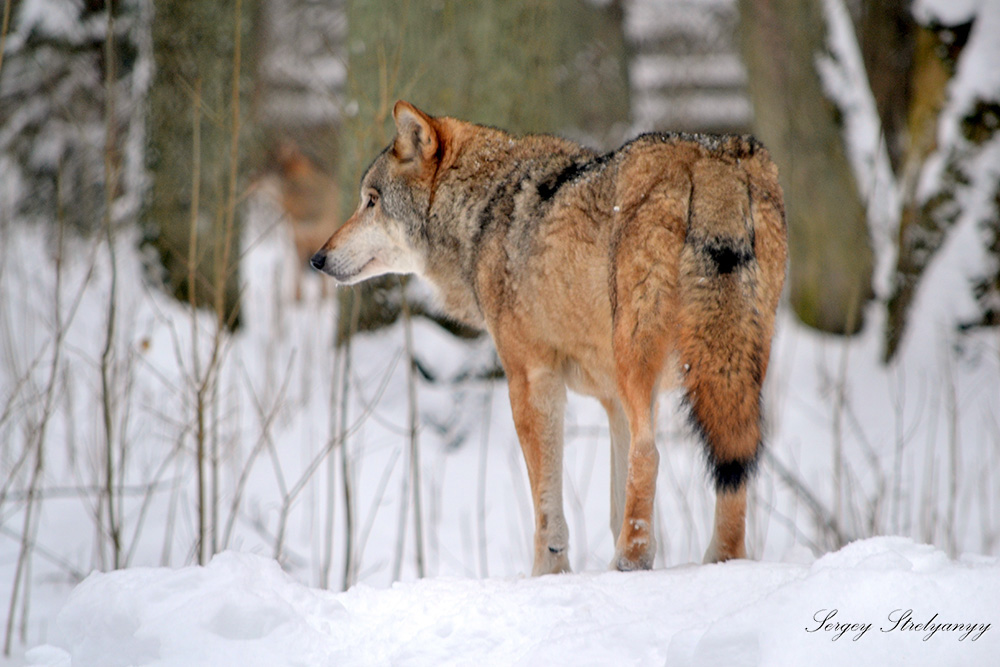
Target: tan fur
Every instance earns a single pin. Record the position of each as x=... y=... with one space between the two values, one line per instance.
x=611 y=274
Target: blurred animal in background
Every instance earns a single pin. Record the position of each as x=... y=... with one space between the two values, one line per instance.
x=309 y=200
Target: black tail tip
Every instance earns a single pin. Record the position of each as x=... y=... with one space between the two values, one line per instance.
x=732 y=475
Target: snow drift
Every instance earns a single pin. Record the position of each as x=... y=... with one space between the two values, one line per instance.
x=881 y=601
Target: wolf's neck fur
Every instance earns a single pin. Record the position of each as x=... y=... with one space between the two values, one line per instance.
x=483 y=184
x=453 y=228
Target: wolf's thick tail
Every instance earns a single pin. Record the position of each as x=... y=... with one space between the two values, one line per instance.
x=732 y=268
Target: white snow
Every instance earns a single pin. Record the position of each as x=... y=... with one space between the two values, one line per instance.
x=878 y=601
x=948 y=12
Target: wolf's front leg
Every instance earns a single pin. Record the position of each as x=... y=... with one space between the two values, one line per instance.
x=538 y=398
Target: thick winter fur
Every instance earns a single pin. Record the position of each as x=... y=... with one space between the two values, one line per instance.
x=614 y=274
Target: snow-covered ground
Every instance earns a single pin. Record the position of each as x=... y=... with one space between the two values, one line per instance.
x=881 y=601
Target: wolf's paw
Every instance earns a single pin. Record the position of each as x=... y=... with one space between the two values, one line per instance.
x=716 y=555
x=635 y=556
x=623 y=563
x=636 y=547
x=551 y=560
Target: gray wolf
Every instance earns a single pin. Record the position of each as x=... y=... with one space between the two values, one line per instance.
x=614 y=274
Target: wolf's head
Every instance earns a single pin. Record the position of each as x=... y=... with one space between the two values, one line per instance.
x=384 y=233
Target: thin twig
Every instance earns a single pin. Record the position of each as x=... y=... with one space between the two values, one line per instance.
x=331 y=468
x=377 y=499
x=150 y=490
x=107 y=410
x=62 y=492
x=38 y=443
x=200 y=380
x=47 y=554
x=954 y=445
x=484 y=569
x=823 y=516
x=413 y=417
x=266 y=422
x=293 y=493
x=345 y=462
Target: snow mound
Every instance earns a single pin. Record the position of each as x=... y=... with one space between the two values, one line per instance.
x=882 y=600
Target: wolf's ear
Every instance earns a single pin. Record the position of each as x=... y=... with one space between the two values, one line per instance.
x=416 y=136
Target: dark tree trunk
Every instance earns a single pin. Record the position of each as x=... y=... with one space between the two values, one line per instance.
x=829 y=250
x=200 y=137
x=887 y=36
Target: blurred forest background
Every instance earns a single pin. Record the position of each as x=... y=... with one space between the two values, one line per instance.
x=105 y=106
x=151 y=134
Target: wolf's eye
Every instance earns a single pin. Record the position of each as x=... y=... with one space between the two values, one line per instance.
x=372 y=198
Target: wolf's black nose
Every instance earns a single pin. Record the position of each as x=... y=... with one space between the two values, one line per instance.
x=318 y=260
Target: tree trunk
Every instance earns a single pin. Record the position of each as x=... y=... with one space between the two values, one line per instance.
x=924 y=221
x=199 y=139
x=887 y=36
x=830 y=254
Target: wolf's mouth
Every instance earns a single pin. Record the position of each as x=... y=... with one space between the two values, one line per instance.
x=347 y=276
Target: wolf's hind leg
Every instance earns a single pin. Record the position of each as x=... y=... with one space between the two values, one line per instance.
x=537 y=398
x=636 y=544
x=645 y=267
x=730 y=517
x=641 y=345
